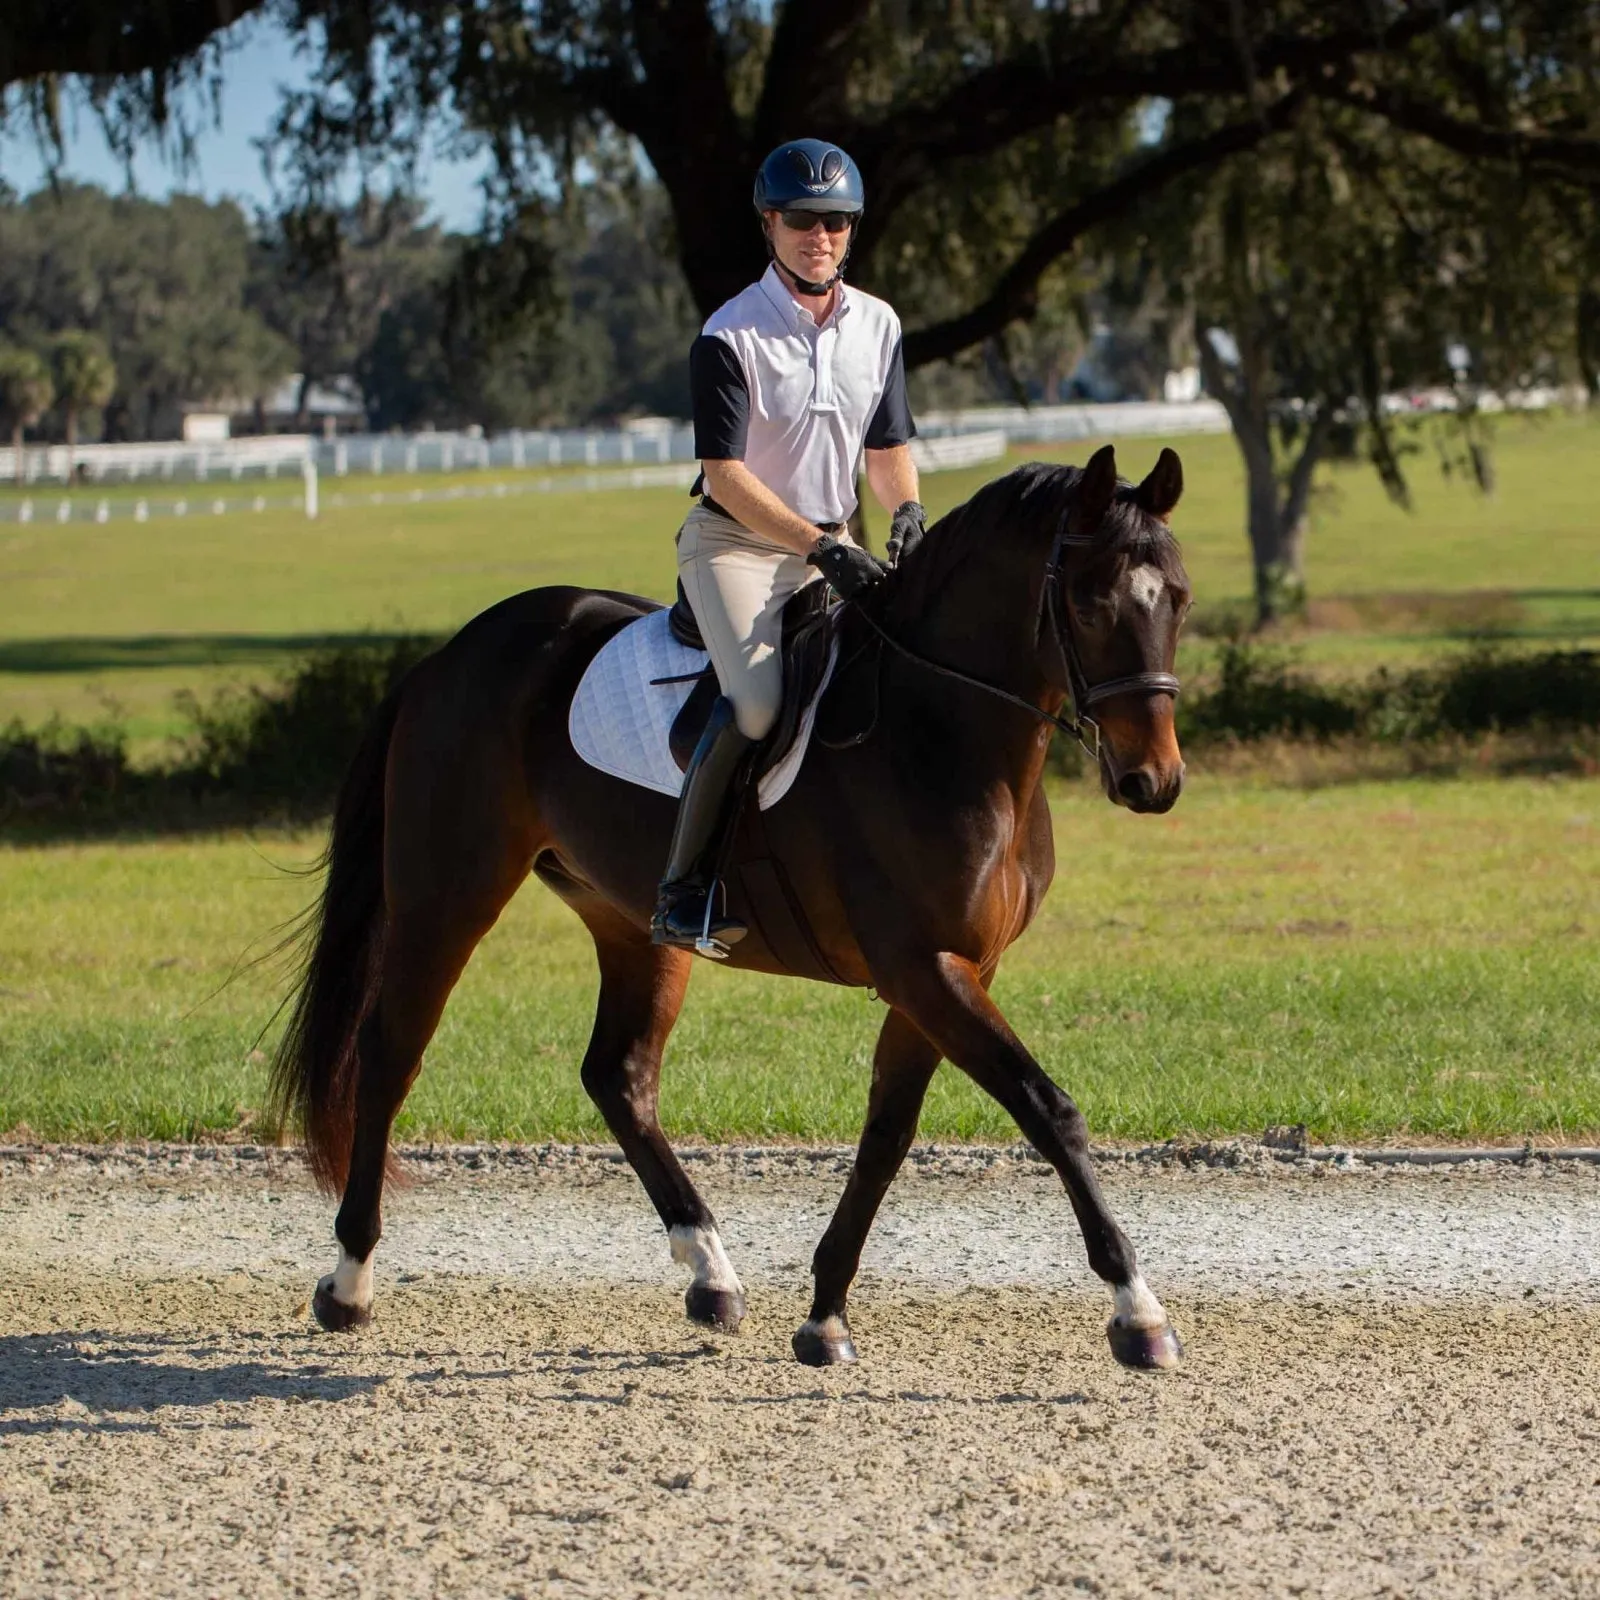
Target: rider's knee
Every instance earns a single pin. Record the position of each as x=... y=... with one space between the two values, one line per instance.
x=755 y=718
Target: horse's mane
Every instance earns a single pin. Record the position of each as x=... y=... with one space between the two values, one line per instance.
x=1025 y=508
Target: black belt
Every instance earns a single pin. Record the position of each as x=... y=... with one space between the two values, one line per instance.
x=722 y=511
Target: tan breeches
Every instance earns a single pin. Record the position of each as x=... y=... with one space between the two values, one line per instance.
x=737 y=584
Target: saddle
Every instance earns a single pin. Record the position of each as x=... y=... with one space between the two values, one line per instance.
x=808 y=626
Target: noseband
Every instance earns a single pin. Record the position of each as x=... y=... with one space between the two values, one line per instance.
x=1081 y=694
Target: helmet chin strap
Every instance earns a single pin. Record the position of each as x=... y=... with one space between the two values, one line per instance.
x=805 y=285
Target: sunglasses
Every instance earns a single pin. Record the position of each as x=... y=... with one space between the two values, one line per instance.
x=805 y=221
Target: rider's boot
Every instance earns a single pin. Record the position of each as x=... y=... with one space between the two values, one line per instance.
x=706 y=811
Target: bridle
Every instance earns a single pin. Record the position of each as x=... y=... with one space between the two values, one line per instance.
x=1081 y=694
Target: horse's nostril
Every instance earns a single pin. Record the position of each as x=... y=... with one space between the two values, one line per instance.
x=1138 y=787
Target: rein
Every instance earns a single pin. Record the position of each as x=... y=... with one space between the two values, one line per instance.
x=1081 y=694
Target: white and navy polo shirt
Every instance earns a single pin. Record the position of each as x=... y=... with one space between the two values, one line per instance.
x=797 y=402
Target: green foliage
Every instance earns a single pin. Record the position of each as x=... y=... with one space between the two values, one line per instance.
x=325 y=281
x=85 y=375
x=249 y=753
x=289 y=744
x=84 y=372
x=267 y=751
x=62 y=771
x=161 y=284
x=559 y=322
x=26 y=392
x=1259 y=693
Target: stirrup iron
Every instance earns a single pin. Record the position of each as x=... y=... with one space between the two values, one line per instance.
x=705 y=945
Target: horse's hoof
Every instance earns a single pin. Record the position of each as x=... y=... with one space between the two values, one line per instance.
x=335 y=1315
x=715 y=1308
x=1144 y=1349
x=824 y=1344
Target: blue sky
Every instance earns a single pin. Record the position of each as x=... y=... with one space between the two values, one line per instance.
x=257 y=67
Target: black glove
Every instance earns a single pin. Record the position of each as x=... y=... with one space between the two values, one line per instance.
x=849 y=569
x=905 y=530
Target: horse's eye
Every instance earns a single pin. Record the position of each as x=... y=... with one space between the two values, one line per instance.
x=1090 y=608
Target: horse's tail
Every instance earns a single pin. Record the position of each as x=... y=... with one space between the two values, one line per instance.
x=317 y=1065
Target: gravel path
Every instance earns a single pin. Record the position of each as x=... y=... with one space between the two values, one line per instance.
x=1392 y=1384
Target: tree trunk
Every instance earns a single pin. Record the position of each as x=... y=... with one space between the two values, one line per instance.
x=1588 y=332
x=72 y=442
x=1276 y=510
x=1277 y=549
x=16 y=451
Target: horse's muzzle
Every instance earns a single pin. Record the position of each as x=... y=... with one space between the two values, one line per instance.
x=1141 y=766
x=1147 y=791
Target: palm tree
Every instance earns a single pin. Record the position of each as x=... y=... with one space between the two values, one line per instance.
x=26 y=393
x=85 y=377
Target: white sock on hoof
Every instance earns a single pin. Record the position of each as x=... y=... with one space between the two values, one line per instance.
x=351 y=1281
x=1137 y=1307
x=831 y=1330
x=700 y=1250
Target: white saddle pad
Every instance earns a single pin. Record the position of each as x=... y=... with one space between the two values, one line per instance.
x=620 y=718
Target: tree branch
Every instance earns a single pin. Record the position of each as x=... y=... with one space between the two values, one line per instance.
x=1298 y=489
x=1015 y=294
x=41 y=37
x=1028 y=92
x=1580 y=157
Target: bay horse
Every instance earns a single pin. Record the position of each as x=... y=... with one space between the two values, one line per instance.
x=918 y=853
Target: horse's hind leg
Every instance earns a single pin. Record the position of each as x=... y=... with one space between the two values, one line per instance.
x=425 y=950
x=641 y=992
x=902 y=1066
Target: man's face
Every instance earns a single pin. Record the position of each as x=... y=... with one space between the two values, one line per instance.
x=803 y=242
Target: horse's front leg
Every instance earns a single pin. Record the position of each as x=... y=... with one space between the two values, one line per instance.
x=641 y=991
x=901 y=1067
x=947 y=1001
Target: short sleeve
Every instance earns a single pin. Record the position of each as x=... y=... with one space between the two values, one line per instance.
x=891 y=423
x=721 y=399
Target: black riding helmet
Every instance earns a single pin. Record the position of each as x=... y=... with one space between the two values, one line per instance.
x=810 y=175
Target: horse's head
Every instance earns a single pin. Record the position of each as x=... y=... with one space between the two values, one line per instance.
x=1120 y=598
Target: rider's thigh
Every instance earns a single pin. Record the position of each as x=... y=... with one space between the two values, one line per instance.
x=738 y=588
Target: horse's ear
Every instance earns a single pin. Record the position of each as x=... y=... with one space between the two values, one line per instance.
x=1162 y=490
x=1097 y=488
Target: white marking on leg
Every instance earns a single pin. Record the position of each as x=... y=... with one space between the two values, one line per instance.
x=350 y=1283
x=1146 y=585
x=831 y=1330
x=1137 y=1307
x=700 y=1250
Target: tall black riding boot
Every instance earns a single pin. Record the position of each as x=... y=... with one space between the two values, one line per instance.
x=708 y=808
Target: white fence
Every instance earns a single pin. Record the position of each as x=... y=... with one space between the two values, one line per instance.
x=457 y=452
x=175 y=460
x=1049 y=424
x=619 y=459
x=213 y=464
x=958 y=450
x=381 y=454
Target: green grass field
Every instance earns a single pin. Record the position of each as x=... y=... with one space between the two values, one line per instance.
x=125 y=614
x=1404 y=959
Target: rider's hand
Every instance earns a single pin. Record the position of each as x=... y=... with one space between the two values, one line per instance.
x=905 y=530
x=849 y=569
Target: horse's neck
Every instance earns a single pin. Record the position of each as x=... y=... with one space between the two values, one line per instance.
x=983 y=621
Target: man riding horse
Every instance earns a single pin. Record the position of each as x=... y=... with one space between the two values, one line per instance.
x=791 y=380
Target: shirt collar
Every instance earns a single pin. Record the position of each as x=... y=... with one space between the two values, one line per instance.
x=793 y=314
